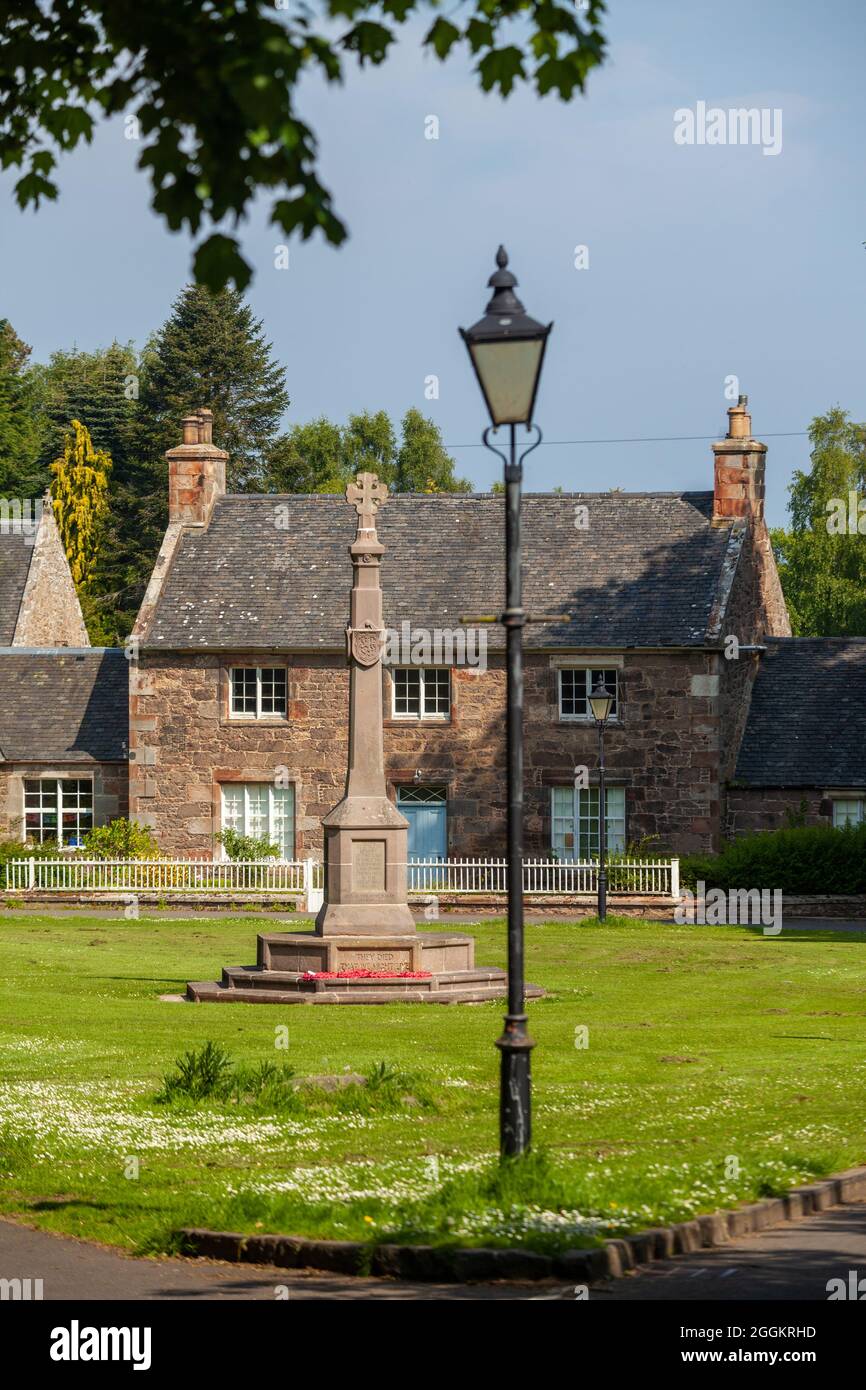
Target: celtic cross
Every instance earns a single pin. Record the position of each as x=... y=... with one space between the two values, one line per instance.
x=366 y=495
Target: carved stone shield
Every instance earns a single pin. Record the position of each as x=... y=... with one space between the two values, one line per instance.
x=366 y=644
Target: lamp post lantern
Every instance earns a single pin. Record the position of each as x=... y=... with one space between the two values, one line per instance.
x=601 y=703
x=506 y=347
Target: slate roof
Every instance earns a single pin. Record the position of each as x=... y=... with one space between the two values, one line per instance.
x=807 y=720
x=63 y=704
x=16 y=552
x=648 y=571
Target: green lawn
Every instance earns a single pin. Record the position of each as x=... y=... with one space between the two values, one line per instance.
x=721 y=1065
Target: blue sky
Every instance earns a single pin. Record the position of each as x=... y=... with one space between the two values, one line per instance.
x=704 y=261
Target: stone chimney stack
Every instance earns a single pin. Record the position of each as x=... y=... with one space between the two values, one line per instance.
x=196 y=471
x=739 y=468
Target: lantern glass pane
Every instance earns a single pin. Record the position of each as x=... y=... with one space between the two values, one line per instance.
x=508 y=371
x=600 y=706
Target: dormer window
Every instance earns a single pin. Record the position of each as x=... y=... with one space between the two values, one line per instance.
x=258 y=692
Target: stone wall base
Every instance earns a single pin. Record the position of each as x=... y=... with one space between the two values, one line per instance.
x=292 y=902
x=841 y=906
x=655 y=908
x=832 y=906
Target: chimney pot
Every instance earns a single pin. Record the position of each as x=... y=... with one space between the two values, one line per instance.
x=190 y=429
x=205 y=435
x=739 y=420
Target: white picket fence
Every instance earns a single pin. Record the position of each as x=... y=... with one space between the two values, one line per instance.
x=304 y=877
x=290 y=876
x=646 y=877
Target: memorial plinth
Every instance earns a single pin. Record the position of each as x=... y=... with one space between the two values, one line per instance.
x=364 y=924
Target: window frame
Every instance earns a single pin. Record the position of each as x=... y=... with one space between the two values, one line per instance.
x=245 y=788
x=61 y=809
x=859 y=801
x=588 y=670
x=435 y=716
x=257 y=715
x=616 y=840
x=439 y=795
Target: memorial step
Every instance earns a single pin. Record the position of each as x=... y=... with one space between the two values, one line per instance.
x=254 y=977
x=210 y=992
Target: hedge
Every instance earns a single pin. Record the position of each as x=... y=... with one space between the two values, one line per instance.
x=808 y=859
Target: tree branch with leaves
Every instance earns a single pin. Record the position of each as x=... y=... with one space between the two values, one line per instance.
x=212 y=88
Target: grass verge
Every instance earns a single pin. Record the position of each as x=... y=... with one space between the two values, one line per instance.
x=677 y=1069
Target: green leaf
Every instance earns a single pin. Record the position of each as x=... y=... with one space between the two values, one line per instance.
x=217 y=261
x=31 y=188
x=501 y=68
x=370 y=41
x=480 y=33
x=442 y=37
x=561 y=75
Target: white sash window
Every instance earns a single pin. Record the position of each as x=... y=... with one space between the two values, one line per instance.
x=574 y=821
x=260 y=809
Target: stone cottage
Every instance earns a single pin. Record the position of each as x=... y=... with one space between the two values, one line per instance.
x=802 y=760
x=63 y=741
x=63 y=704
x=238 y=696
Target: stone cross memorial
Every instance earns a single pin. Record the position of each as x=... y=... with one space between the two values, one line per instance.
x=364 y=924
x=366 y=837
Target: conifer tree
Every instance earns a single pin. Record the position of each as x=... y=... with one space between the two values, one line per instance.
x=79 y=496
x=212 y=352
x=20 y=472
x=101 y=390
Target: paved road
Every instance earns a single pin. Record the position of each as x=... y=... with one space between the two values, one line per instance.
x=790 y=1262
x=77 y=1270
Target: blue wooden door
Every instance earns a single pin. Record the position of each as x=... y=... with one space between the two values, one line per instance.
x=428 y=837
x=426 y=810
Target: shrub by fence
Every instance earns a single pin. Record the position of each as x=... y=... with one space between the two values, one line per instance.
x=808 y=860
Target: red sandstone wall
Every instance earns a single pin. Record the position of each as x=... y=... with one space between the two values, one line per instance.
x=665 y=750
x=770 y=808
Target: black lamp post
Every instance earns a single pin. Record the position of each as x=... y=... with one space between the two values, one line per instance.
x=601 y=703
x=507 y=350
